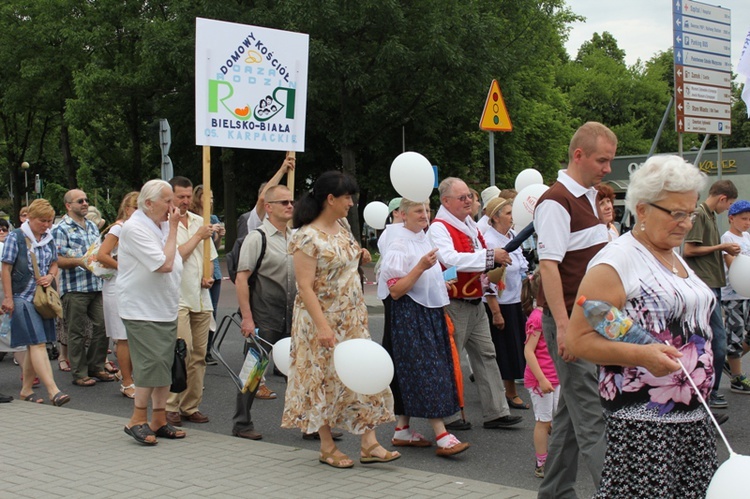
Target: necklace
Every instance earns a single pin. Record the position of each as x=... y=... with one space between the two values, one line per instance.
x=659 y=256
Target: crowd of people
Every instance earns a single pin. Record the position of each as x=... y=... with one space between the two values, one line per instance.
x=450 y=291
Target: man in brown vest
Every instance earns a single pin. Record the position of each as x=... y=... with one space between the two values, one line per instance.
x=570 y=234
x=460 y=245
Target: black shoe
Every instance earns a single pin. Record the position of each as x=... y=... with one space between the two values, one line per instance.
x=210 y=361
x=502 y=422
x=720 y=418
x=316 y=436
x=5 y=398
x=458 y=425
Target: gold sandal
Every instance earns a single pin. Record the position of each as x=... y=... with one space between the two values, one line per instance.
x=335 y=461
x=367 y=457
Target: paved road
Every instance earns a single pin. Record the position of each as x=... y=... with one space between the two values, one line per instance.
x=503 y=457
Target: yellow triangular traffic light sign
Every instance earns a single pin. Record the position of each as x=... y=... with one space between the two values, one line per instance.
x=495 y=116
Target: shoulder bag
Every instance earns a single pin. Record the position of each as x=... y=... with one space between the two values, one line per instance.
x=46 y=299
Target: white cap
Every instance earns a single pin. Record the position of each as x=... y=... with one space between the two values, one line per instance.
x=488 y=194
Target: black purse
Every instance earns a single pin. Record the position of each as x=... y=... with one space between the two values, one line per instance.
x=179 y=371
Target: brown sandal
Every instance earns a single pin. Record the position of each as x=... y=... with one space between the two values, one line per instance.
x=334 y=461
x=367 y=457
x=87 y=381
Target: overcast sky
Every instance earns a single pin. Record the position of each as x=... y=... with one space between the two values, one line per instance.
x=644 y=27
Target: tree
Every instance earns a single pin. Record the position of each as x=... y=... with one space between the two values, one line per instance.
x=605 y=43
x=630 y=100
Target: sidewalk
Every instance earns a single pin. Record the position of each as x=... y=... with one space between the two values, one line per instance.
x=58 y=452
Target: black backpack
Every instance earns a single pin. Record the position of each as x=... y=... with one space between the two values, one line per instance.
x=233 y=257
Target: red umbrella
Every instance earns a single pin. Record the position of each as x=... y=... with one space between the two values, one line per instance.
x=457 y=374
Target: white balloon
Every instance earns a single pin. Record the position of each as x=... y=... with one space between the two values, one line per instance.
x=412 y=176
x=725 y=484
x=528 y=177
x=282 y=357
x=524 y=204
x=376 y=214
x=739 y=275
x=363 y=366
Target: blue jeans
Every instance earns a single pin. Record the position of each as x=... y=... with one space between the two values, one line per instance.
x=719 y=341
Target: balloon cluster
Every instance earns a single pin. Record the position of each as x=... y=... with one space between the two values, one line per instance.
x=530 y=187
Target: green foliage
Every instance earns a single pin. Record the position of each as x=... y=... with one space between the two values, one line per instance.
x=83 y=85
x=55 y=194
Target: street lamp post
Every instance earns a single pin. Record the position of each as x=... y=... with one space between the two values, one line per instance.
x=25 y=168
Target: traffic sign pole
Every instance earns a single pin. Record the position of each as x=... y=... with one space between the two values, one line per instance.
x=492 y=158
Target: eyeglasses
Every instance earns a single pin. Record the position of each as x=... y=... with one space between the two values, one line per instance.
x=81 y=201
x=463 y=197
x=677 y=216
x=285 y=202
x=3 y=229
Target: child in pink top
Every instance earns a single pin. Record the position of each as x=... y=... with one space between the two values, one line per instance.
x=540 y=377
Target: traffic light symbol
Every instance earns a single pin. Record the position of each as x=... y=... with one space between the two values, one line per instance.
x=495 y=116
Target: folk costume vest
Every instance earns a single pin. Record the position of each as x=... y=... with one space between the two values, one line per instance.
x=469 y=285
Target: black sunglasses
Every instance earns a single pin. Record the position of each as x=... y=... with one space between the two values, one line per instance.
x=81 y=201
x=285 y=202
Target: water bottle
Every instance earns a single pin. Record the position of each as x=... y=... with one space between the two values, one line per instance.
x=611 y=323
x=5 y=326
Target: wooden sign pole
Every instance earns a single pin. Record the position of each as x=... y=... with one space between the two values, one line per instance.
x=290 y=173
x=208 y=269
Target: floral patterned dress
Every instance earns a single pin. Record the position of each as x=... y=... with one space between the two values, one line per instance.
x=315 y=396
x=660 y=442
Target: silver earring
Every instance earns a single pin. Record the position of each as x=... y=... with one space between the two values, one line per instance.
x=643 y=226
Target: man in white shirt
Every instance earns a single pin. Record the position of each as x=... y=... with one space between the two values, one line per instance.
x=194 y=315
x=570 y=234
x=461 y=245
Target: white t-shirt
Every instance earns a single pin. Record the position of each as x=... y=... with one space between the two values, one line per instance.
x=671 y=308
x=655 y=298
x=405 y=248
x=142 y=293
x=727 y=293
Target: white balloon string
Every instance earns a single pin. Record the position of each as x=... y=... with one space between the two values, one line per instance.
x=703 y=401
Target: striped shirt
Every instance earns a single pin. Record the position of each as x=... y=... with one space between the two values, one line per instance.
x=72 y=241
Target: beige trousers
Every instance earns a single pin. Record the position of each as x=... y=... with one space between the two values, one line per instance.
x=193 y=328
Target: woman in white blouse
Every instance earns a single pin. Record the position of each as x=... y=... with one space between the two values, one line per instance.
x=503 y=306
x=420 y=345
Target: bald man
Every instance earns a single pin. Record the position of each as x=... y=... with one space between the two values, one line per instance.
x=81 y=292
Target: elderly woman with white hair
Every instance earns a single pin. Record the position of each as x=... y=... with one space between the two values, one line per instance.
x=148 y=291
x=660 y=442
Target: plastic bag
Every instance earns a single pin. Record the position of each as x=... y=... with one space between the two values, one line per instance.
x=93 y=264
x=254 y=366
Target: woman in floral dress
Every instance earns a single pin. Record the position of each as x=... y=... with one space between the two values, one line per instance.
x=329 y=309
x=660 y=442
